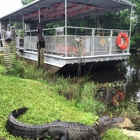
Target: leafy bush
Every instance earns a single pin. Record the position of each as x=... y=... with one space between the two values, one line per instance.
x=34 y=73
x=41 y=99
x=88 y=102
x=65 y=88
x=13 y=64
x=115 y=134
x=1 y=59
x=17 y=68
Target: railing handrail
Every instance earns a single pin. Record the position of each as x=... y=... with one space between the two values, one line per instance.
x=30 y=30
x=2 y=31
x=75 y=27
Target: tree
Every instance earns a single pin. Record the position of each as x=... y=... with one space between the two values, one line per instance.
x=24 y=2
x=19 y=25
x=135 y=40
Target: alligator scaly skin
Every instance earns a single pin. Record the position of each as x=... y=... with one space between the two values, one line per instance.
x=57 y=130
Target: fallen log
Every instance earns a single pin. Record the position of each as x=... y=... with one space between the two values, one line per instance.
x=131 y=133
x=127 y=128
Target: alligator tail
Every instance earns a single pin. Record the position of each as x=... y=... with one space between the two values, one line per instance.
x=16 y=128
x=18 y=112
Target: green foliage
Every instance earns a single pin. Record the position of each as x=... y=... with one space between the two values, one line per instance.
x=42 y=96
x=18 y=25
x=2 y=58
x=25 y=2
x=52 y=25
x=65 y=88
x=21 y=33
x=115 y=20
x=78 y=90
x=44 y=104
x=88 y=102
x=135 y=40
x=118 y=135
x=17 y=68
x=32 y=72
x=83 y=95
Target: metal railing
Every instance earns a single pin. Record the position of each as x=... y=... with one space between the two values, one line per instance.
x=96 y=41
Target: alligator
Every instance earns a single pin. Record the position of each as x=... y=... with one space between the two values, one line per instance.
x=58 y=130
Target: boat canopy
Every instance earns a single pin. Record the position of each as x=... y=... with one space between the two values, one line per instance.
x=55 y=10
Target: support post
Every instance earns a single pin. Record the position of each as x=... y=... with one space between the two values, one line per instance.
x=66 y=28
x=40 y=46
x=131 y=15
x=23 y=22
x=39 y=14
x=0 y=26
x=0 y=36
x=110 y=49
x=93 y=42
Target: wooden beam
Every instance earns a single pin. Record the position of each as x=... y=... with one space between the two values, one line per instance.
x=40 y=46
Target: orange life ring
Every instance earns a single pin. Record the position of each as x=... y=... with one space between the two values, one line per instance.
x=122 y=46
x=119 y=96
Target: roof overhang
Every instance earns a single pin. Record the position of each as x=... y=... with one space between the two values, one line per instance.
x=54 y=10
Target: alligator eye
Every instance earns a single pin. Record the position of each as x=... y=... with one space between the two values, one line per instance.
x=106 y=124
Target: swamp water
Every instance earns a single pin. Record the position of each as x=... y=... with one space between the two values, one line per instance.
x=127 y=72
x=131 y=70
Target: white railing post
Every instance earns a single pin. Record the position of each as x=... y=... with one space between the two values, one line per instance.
x=0 y=26
x=18 y=42
x=93 y=37
x=24 y=42
x=23 y=22
x=131 y=15
x=39 y=14
x=65 y=28
x=30 y=40
x=110 y=50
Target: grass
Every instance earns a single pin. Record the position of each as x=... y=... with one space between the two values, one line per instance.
x=44 y=103
x=115 y=134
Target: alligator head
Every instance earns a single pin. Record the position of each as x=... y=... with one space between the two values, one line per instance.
x=105 y=123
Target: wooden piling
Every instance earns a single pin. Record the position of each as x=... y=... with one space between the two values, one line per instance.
x=40 y=46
